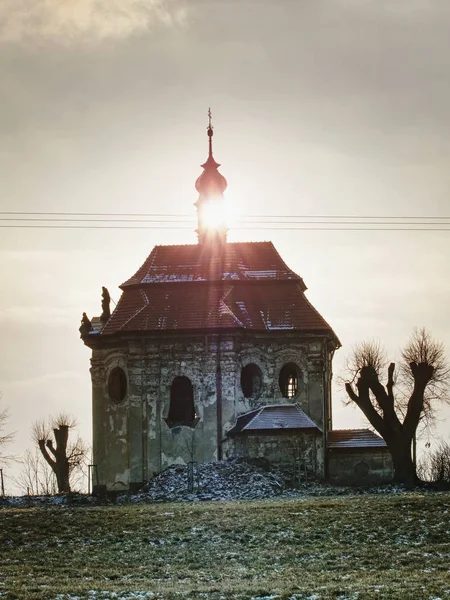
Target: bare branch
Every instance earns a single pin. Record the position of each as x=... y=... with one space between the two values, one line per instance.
x=423 y=349
x=35 y=476
x=77 y=453
x=366 y=354
x=49 y=445
x=5 y=438
x=63 y=419
x=40 y=431
x=435 y=465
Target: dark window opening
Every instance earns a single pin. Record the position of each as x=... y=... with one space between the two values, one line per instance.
x=181 y=411
x=289 y=380
x=117 y=385
x=251 y=381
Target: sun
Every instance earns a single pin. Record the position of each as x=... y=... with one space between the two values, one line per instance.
x=216 y=214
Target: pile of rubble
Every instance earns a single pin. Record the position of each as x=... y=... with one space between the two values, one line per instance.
x=233 y=480
x=227 y=480
x=238 y=480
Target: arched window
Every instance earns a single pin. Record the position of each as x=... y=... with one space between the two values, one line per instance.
x=289 y=380
x=251 y=381
x=117 y=385
x=181 y=411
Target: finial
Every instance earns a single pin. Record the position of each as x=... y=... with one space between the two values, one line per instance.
x=210 y=206
x=210 y=132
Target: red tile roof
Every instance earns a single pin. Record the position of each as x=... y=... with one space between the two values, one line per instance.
x=259 y=306
x=276 y=417
x=354 y=438
x=247 y=261
x=184 y=288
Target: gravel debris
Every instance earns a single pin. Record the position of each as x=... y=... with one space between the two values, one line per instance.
x=217 y=481
x=214 y=481
x=236 y=480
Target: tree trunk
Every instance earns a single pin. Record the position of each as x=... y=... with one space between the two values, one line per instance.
x=58 y=460
x=404 y=470
x=62 y=477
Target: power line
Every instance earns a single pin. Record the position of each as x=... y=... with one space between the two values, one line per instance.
x=79 y=220
x=273 y=228
x=190 y=216
x=192 y=221
x=52 y=220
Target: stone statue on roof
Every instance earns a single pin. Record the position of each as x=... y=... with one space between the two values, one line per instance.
x=106 y=311
x=86 y=325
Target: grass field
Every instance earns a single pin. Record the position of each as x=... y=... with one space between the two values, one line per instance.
x=353 y=547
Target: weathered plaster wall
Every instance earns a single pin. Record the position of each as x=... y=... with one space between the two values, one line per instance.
x=131 y=440
x=110 y=424
x=283 y=449
x=365 y=467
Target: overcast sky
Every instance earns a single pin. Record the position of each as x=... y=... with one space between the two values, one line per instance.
x=320 y=107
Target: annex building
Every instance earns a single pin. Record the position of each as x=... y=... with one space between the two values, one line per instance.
x=214 y=352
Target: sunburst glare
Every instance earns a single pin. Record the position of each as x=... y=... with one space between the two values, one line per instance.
x=217 y=214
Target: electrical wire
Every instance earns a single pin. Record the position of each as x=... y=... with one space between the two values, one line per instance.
x=78 y=220
x=250 y=216
x=192 y=220
x=273 y=228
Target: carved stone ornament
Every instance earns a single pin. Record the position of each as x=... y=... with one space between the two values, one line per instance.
x=97 y=375
x=86 y=325
x=106 y=300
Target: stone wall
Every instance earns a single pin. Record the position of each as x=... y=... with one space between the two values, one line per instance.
x=369 y=466
x=283 y=449
x=131 y=439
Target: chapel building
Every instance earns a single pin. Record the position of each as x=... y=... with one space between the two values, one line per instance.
x=214 y=352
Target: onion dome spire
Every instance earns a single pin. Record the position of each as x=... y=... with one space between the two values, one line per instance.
x=210 y=204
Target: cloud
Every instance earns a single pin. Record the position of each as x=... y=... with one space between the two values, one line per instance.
x=69 y=21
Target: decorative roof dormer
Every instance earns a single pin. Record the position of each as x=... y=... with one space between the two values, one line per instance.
x=211 y=214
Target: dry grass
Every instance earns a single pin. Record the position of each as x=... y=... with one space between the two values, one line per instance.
x=355 y=547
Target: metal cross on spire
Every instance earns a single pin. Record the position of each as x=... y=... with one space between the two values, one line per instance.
x=210 y=132
x=211 y=185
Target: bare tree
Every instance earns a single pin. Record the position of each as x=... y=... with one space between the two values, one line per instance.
x=5 y=438
x=35 y=477
x=435 y=465
x=63 y=457
x=190 y=448
x=302 y=456
x=189 y=445
x=423 y=381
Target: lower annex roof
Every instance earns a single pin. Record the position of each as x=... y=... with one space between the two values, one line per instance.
x=354 y=438
x=273 y=417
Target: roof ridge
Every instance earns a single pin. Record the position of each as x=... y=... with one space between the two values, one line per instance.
x=227 y=308
x=353 y=429
x=255 y=410
x=287 y=268
x=226 y=245
x=275 y=405
x=146 y=302
x=324 y=320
